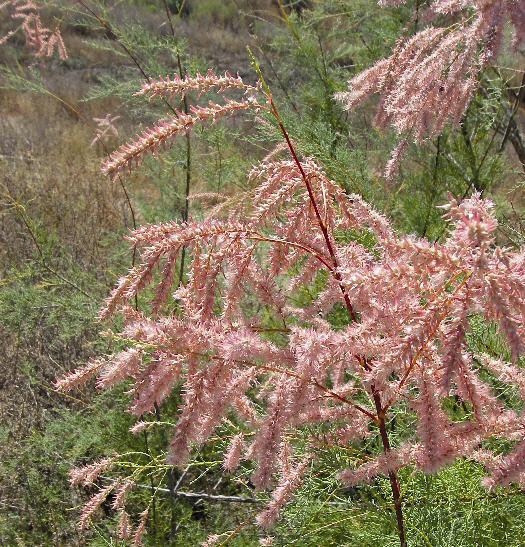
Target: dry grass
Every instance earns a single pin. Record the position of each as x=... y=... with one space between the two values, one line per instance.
x=50 y=169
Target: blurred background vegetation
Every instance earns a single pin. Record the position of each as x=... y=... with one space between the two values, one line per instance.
x=61 y=249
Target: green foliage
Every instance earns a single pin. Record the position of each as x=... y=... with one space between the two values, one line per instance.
x=39 y=464
x=447 y=509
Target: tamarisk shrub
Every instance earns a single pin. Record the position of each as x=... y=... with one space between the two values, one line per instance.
x=407 y=303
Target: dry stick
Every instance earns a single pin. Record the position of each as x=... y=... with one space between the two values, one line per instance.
x=192 y=495
x=185 y=212
x=168 y=16
x=394 y=482
x=201 y=495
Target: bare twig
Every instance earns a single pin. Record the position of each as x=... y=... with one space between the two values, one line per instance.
x=193 y=495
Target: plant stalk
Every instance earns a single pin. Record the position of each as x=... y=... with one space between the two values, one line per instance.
x=394 y=481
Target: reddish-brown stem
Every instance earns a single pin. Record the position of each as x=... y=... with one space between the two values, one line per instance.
x=380 y=419
x=320 y=220
x=321 y=223
x=394 y=482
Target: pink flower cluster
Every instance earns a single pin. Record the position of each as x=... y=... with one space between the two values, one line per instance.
x=430 y=77
x=40 y=39
x=169 y=87
x=413 y=299
x=164 y=131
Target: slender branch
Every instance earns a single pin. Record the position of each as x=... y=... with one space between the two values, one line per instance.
x=519 y=97
x=21 y=211
x=394 y=481
x=471 y=154
x=168 y=16
x=433 y=193
x=185 y=211
x=278 y=79
x=112 y=34
x=171 y=483
x=312 y=381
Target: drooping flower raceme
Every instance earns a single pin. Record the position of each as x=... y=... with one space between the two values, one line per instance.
x=408 y=305
x=41 y=40
x=431 y=76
